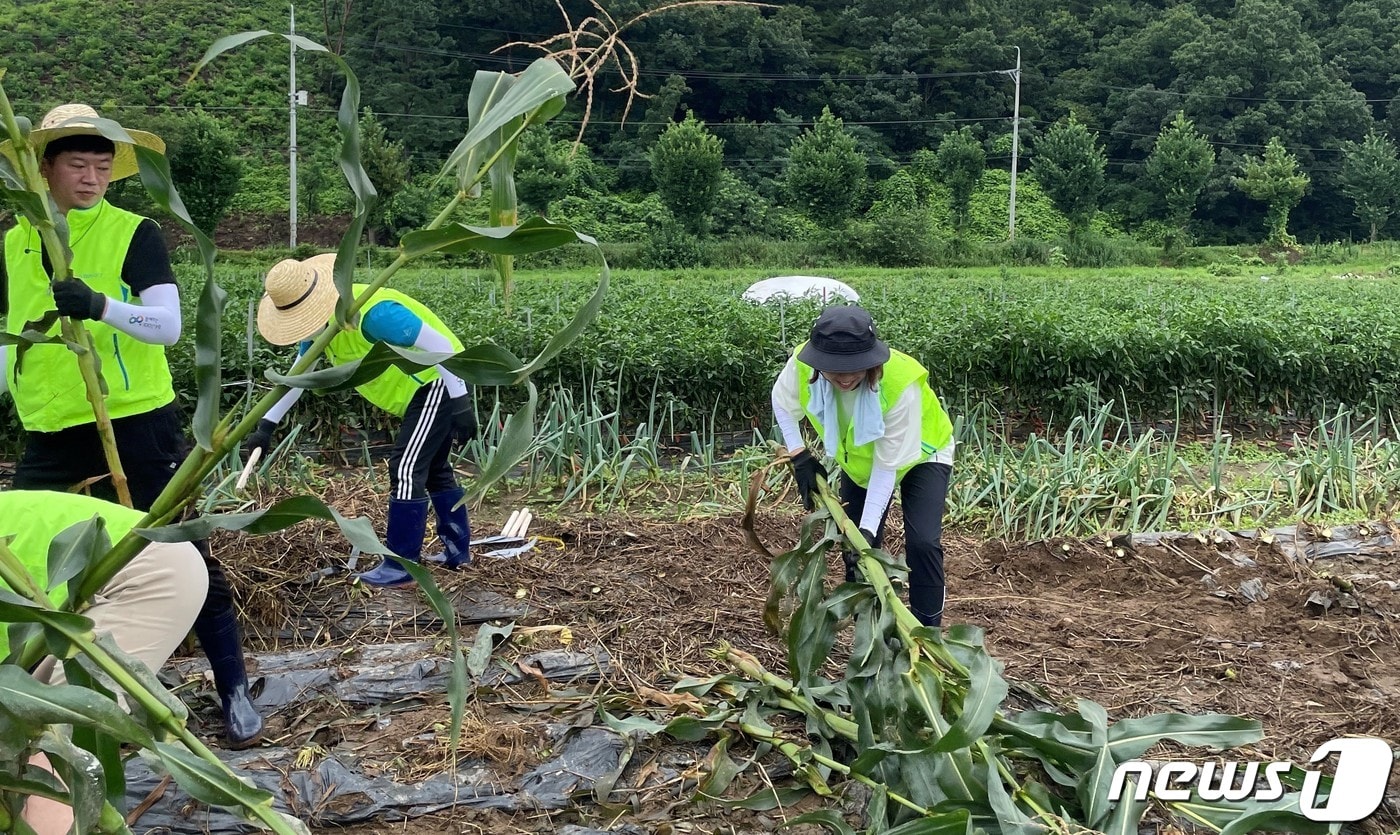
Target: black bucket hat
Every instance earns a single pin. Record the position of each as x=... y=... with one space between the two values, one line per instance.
x=843 y=340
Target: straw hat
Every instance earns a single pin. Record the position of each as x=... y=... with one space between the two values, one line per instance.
x=74 y=119
x=298 y=299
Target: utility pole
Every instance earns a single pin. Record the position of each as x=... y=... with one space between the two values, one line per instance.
x=1015 y=142
x=292 y=103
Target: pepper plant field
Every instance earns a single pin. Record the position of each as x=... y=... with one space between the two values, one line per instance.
x=1040 y=342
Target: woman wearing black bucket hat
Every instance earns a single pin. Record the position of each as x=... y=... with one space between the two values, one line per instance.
x=876 y=415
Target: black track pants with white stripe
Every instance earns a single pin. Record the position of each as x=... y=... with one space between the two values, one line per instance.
x=419 y=465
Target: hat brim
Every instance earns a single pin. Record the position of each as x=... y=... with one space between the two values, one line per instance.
x=285 y=327
x=878 y=354
x=123 y=160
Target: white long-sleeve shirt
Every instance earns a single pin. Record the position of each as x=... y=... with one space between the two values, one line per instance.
x=899 y=447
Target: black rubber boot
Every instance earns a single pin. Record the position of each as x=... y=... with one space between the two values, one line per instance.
x=408 y=521
x=454 y=528
x=217 y=630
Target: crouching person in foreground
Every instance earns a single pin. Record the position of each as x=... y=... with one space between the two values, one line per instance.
x=435 y=405
x=148 y=607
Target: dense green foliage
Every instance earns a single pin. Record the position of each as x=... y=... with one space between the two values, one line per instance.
x=895 y=78
x=1050 y=342
x=686 y=163
x=1371 y=178
x=1274 y=180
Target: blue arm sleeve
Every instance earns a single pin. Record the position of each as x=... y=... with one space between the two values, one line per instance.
x=391 y=322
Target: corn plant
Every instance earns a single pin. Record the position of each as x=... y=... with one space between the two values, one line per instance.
x=921 y=717
x=82 y=557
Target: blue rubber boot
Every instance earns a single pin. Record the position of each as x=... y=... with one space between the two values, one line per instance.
x=218 y=636
x=454 y=528
x=408 y=521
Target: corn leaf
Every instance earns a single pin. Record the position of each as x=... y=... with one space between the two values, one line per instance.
x=539 y=90
x=514 y=444
x=82 y=774
x=207 y=782
x=457 y=676
x=283 y=514
x=74 y=548
x=209 y=312
x=1127 y=813
x=957 y=822
x=1130 y=738
x=486 y=364
x=105 y=747
x=34 y=704
x=825 y=818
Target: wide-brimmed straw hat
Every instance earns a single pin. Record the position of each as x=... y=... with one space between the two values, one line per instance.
x=77 y=119
x=843 y=340
x=298 y=299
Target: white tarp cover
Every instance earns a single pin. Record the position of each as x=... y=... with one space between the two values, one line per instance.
x=800 y=287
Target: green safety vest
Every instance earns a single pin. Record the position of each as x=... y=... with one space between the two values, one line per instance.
x=391 y=390
x=901 y=372
x=48 y=387
x=35 y=517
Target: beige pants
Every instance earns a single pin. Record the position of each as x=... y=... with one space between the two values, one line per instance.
x=148 y=607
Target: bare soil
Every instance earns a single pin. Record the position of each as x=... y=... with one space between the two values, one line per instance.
x=1135 y=629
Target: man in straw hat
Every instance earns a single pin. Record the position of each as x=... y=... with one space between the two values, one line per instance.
x=435 y=404
x=123 y=285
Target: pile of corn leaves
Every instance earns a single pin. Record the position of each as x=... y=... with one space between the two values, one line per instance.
x=925 y=720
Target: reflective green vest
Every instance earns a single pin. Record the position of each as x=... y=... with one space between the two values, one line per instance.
x=35 y=517
x=901 y=372
x=391 y=390
x=48 y=387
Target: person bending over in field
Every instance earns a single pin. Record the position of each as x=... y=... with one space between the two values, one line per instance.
x=435 y=405
x=875 y=413
x=122 y=285
x=148 y=607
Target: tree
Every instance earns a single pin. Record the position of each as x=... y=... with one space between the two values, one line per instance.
x=544 y=171
x=959 y=164
x=1275 y=181
x=1179 y=166
x=387 y=167
x=686 y=163
x=1069 y=164
x=825 y=172
x=1371 y=178
x=404 y=46
x=204 y=163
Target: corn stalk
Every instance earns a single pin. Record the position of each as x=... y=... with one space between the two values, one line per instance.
x=922 y=717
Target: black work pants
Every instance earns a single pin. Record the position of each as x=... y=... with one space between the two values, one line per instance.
x=418 y=466
x=152 y=445
x=923 y=493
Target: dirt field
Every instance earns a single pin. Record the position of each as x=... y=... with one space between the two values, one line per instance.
x=1136 y=629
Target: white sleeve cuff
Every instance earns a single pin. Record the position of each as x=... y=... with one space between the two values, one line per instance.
x=155 y=320
x=877 y=498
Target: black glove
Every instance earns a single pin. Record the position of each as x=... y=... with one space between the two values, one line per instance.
x=851 y=558
x=76 y=300
x=260 y=438
x=806 y=469
x=464 y=426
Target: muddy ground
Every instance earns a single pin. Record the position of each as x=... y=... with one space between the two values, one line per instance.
x=1138 y=629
